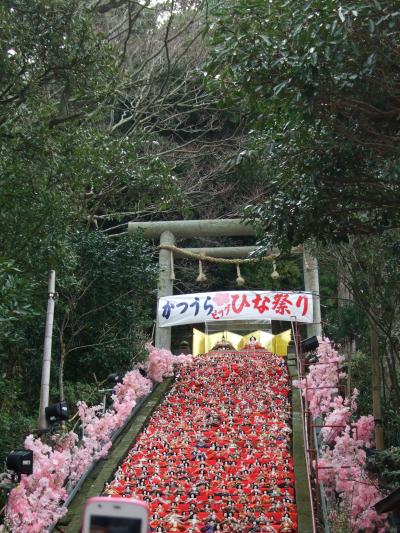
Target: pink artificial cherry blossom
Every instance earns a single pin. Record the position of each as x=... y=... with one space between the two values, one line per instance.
x=36 y=503
x=342 y=463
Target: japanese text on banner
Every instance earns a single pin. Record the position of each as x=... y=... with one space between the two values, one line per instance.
x=235 y=305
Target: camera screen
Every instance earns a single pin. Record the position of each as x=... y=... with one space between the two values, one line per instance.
x=114 y=524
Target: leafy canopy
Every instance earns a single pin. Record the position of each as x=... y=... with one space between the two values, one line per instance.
x=320 y=83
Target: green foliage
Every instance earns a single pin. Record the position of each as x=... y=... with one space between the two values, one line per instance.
x=319 y=80
x=59 y=165
x=65 y=178
x=54 y=64
x=347 y=322
x=284 y=50
x=319 y=83
x=374 y=275
x=15 y=302
x=258 y=275
x=16 y=417
x=76 y=391
x=62 y=178
x=386 y=465
x=391 y=421
x=359 y=370
x=106 y=297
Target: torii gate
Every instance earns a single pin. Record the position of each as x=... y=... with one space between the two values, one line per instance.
x=169 y=231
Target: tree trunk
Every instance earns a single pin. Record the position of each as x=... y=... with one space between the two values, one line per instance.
x=376 y=387
x=345 y=297
x=393 y=363
x=63 y=355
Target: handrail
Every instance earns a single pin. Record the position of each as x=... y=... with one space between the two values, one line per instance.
x=312 y=444
x=321 y=488
x=75 y=489
x=297 y=345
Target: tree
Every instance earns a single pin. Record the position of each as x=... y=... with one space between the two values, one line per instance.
x=163 y=49
x=369 y=270
x=321 y=82
x=61 y=169
x=372 y=274
x=52 y=59
x=105 y=305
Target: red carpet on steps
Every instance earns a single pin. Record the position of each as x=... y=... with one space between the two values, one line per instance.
x=216 y=454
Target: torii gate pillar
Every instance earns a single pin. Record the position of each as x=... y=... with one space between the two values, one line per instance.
x=311 y=284
x=165 y=287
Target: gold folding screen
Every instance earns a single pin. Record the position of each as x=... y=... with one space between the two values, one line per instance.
x=202 y=343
